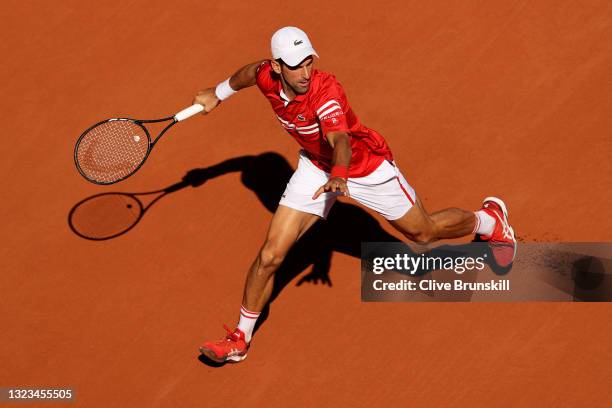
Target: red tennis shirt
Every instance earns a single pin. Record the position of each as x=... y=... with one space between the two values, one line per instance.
x=323 y=109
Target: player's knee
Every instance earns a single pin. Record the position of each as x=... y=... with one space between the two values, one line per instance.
x=422 y=237
x=270 y=259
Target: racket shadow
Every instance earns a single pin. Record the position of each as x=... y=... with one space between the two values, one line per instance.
x=109 y=215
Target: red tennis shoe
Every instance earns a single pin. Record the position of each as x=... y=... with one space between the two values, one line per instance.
x=231 y=349
x=502 y=242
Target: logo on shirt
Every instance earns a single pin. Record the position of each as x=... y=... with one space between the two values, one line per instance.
x=301 y=117
x=332 y=115
x=297 y=42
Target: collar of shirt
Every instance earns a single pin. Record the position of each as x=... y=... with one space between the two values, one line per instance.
x=281 y=93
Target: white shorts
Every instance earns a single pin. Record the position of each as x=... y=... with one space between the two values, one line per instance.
x=384 y=190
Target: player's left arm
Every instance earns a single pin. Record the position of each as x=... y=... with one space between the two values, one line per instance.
x=340 y=141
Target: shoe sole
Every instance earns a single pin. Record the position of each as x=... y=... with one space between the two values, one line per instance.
x=502 y=205
x=212 y=356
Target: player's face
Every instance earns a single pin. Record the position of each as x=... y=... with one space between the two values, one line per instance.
x=297 y=78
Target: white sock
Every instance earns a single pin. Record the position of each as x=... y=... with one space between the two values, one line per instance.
x=485 y=224
x=247 y=322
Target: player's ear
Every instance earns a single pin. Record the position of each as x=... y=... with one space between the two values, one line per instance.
x=276 y=66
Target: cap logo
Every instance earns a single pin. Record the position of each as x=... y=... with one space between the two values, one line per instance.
x=297 y=42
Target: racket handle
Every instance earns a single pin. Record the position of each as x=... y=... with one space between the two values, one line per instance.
x=189 y=112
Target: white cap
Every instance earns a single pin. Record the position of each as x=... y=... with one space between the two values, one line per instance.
x=291 y=45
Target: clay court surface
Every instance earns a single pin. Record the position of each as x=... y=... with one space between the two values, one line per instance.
x=508 y=98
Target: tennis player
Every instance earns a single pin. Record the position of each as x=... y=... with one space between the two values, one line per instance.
x=338 y=156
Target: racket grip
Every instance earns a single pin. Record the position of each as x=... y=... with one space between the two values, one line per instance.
x=189 y=112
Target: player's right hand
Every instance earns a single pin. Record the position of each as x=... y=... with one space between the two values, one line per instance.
x=208 y=99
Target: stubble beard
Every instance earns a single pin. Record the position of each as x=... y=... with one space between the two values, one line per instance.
x=298 y=90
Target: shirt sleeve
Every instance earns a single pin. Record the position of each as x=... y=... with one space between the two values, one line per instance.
x=264 y=79
x=330 y=107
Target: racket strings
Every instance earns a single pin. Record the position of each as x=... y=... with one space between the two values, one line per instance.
x=112 y=150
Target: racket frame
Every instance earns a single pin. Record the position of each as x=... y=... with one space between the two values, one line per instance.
x=150 y=143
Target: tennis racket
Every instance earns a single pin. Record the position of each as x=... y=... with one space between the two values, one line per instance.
x=114 y=149
x=109 y=215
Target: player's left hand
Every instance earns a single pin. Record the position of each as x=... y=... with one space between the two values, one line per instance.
x=333 y=184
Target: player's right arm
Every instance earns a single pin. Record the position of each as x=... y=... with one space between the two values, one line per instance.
x=243 y=78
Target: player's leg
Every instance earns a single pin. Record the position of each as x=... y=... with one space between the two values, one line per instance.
x=490 y=224
x=387 y=191
x=287 y=226
x=423 y=228
x=296 y=213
